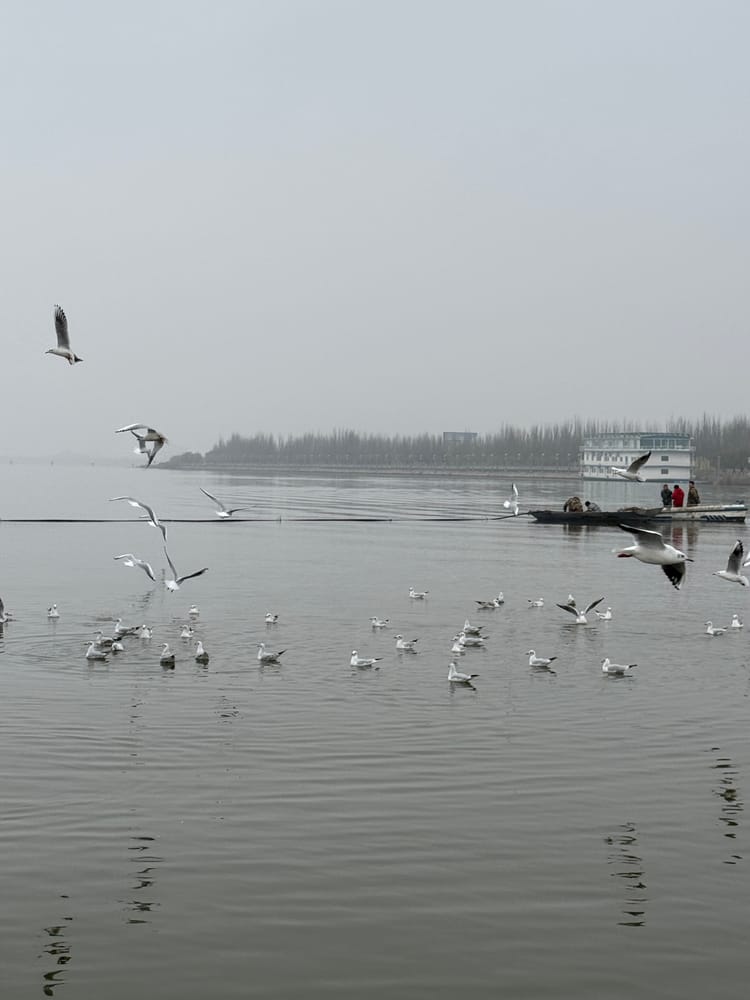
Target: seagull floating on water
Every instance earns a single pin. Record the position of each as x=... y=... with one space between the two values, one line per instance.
x=379 y=622
x=53 y=612
x=271 y=619
x=512 y=502
x=490 y=605
x=121 y=630
x=130 y=560
x=145 y=632
x=193 y=611
x=580 y=614
x=457 y=646
x=221 y=509
x=470 y=629
x=456 y=677
x=117 y=647
x=167 y=657
x=201 y=656
x=736 y=622
x=617 y=669
x=732 y=573
x=405 y=645
x=95 y=652
x=538 y=603
x=63 y=339
x=363 y=661
x=266 y=656
x=187 y=632
x=417 y=595
x=633 y=472
x=150 y=517
x=605 y=616
x=650 y=548
x=152 y=436
x=475 y=641
x=710 y=630
x=174 y=584
x=539 y=661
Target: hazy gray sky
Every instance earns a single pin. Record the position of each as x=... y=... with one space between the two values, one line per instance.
x=388 y=216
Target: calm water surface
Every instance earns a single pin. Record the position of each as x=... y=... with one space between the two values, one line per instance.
x=311 y=830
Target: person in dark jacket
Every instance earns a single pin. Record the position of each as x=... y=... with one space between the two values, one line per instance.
x=666 y=496
x=573 y=505
x=678 y=495
x=693 y=495
x=591 y=507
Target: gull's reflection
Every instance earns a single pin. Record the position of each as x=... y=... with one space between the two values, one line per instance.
x=143 y=857
x=58 y=949
x=628 y=866
x=731 y=804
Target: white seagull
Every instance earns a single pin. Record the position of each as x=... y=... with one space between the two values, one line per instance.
x=605 y=616
x=617 y=669
x=268 y=657
x=512 y=502
x=167 y=657
x=633 y=472
x=651 y=548
x=457 y=646
x=149 y=517
x=174 y=583
x=145 y=632
x=270 y=618
x=471 y=640
x=736 y=622
x=201 y=656
x=490 y=605
x=539 y=661
x=193 y=611
x=53 y=612
x=363 y=661
x=538 y=603
x=152 y=436
x=3 y=617
x=417 y=595
x=187 y=632
x=578 y=613
x=456 y=677
x=734 y=564
x=470 y=629
x=63 y=340
x=120 y=630
x=405 y=645
x=379 y=622
x=95 y=652
x=130 y=560
x=710 y=630
x=221 y=509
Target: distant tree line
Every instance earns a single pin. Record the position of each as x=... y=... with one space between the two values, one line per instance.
x=720 y=445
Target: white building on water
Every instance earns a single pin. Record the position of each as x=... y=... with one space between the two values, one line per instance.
x=671 y=459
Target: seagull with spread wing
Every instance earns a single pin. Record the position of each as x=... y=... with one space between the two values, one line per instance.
x=63 y=339
x=221 y=509
x=149 y=517
x=651 y=548
x=174 y=583
x=633 y=471
x=152 y=436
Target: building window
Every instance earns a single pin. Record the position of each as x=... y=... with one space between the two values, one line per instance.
x=665 y=472
x=665 y=458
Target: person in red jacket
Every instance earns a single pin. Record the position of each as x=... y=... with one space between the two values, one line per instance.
x=678 y=496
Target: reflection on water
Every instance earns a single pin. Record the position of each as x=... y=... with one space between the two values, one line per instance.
x=731 y=804
x=628 y=866
x=144 y=879
x=58 y=948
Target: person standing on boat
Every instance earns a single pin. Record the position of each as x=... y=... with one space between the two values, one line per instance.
x=666 y=496
x=678 y=496
x=693 y=495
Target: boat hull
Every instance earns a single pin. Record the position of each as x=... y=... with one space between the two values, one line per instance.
x=727 y=513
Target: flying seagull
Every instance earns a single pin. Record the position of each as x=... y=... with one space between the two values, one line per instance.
x=650 y=548
x=150 y=516
x=734 y=564
x=578 y=613
x=222 y=510
x=512 y=502
x=633 y=471
x=63 y=340
x=130 y=560
x=174 y=583
x=152 y=436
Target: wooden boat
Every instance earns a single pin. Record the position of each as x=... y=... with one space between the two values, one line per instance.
x=730 y=513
